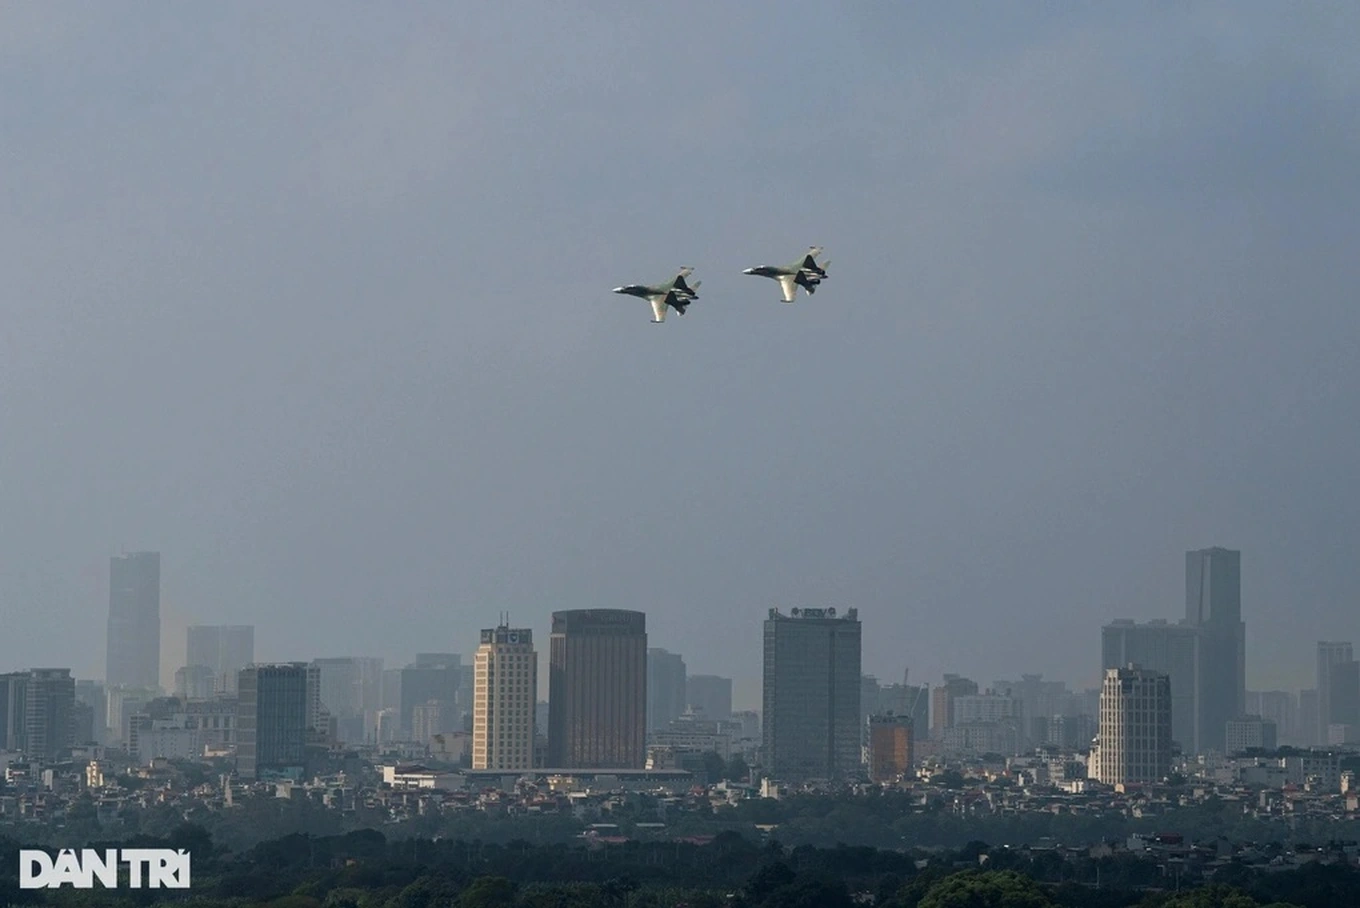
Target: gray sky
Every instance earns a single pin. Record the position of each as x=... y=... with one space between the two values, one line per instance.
x=313 y=298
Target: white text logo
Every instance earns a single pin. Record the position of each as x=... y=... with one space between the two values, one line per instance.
x=150 y=868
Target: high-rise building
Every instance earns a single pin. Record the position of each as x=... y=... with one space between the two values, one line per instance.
x=433 y=677
x=710 y=696
x=1330 y=653
x=349 y=687
x=1280 y=707
x=134 y=636
x=37 y=713
x=811 y=694
x=91 y=694
x=1250 y=733
x=1343 y=702
x=666 y=679
x=224 y=648
x=271 y=723
x=505 y=682
x=890 y=747
x=1310 y=713
x=195 y=682
x=13 y=694
x=1213 y=605
x=1134 y=743
x=942 y=702
x=597 y=689
x=1205 y=654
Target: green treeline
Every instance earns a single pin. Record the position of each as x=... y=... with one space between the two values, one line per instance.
x=364 y=869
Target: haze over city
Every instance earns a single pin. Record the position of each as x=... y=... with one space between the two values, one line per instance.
x=313 y=299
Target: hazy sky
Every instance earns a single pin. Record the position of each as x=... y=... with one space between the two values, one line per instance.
x=313 y=298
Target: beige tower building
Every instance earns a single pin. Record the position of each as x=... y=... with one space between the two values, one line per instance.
x=1134 y=744
x=505 y=692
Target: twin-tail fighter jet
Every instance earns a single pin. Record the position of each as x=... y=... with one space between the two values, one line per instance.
x=805 y=273
x=674 y=294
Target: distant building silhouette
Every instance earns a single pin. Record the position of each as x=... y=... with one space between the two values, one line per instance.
x=597 y=689
x=1330 y=655
x=710 y=696
x=666 y=683
x=811 y=694
x=223 y=648
x=134 y=632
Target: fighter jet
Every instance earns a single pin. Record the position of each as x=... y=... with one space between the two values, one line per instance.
x=805 y=273
x=675 y=294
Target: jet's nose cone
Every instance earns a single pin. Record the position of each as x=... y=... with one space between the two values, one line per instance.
x=749 y=271
x=618 y=289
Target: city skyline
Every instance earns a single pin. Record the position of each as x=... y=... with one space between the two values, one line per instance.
x=1222 y=609
x=315 y=301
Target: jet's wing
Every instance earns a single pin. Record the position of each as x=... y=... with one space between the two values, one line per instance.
x=789 y=284
x=659 y=307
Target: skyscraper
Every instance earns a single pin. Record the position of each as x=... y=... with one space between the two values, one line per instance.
x=1134 y=744
x=666 y=680
x=226 y=649
x=811 y=694
x=597 y=689
x=710 y=696
x=37 y=713
x=349 y=688
x=1204 y=655
x=432 y=678
x=134 y=636
x=505 y=685
x=1213 y=603
x=890 y=747
x=1330 y=653
x=271 y=721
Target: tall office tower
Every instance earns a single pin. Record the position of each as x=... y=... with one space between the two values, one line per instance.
x=1173 y=649
x=665 y=688
x=1134 y=743
x=1213 y=604
x=710 y=696
x=890 y=747
x=1276 y=706
x=1250 y=732
x=134 y=642
x=13 y=705
x=271 y=720
x=942 y=702
x=432 y=678
x=1343 y=702
x=1329 y=653
x=224 y=648
x=597 y=689
x=91 y=694
x=912 y=700
x=49 y=722
x=195 y=682
x=811 y=694
x=349 y=688
x=1310 y=713
x=506 y=685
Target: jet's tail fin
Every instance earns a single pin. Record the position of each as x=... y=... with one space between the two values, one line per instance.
x=681 y=287
x=685 y=271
